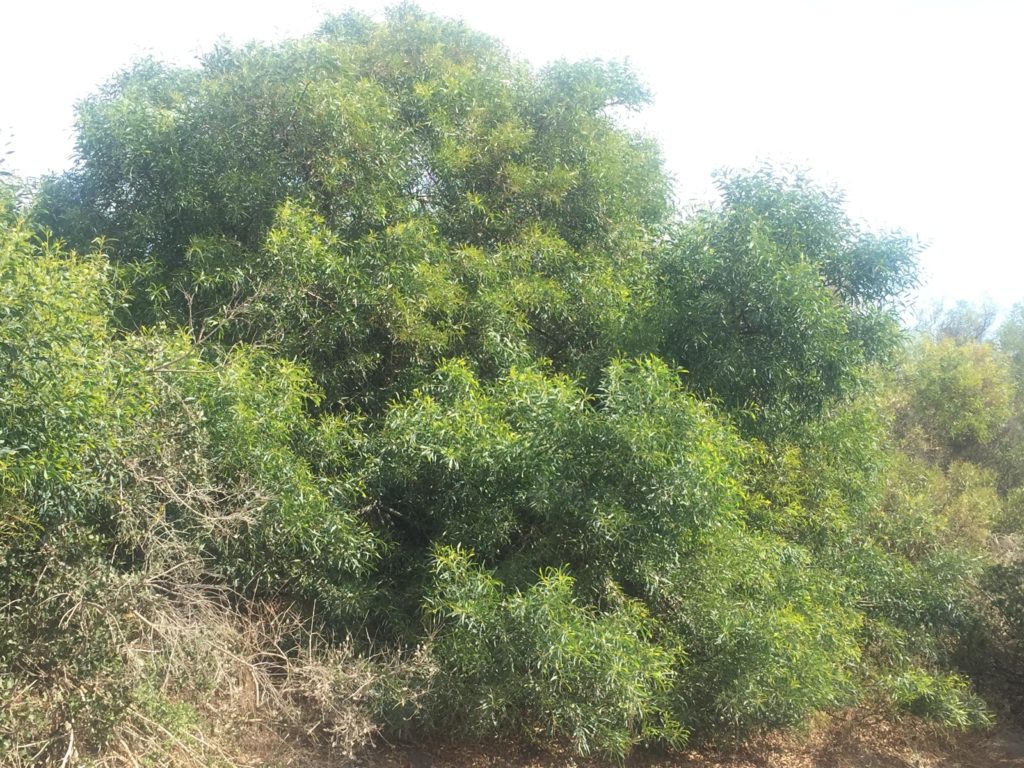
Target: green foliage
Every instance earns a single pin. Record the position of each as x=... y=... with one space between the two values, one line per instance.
x=85 y=419
x=515 y=664
x=126 y=465
x=8 y=191
x=1010 y=340
x=903 y=541
x=957 y=512
x=819 y=485
x=304 y=537
x=769 y=637
x=406 y=335
x=373 y=199
x=529 y=474
x=775 y=300
x=60 y=644
x=946 y=699
x=1005 y=582
x=959 y=395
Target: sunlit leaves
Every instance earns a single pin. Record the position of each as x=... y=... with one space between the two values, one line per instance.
x=534 y=662
x=412 y=164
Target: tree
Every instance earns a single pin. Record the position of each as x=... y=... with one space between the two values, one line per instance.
x=393 y=328
x=8 y=189
x=959 y=396
x=963 y=322
x=1010 y=340
x=375 y=198
x=775 y=301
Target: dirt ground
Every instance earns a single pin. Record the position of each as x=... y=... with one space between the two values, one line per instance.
x=850 y=740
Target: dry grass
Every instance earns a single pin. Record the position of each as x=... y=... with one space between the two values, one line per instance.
x=200 y=673
x=262 y=676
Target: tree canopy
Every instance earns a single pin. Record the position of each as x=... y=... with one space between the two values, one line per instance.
x=387 y=326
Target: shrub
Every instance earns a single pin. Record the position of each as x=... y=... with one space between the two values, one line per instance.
x=943 y=698
x=536 y=662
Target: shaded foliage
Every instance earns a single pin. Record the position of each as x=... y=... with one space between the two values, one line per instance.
x=775 y=300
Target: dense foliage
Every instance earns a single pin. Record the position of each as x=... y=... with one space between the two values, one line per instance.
x=384 y=330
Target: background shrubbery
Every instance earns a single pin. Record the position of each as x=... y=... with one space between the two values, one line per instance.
x=371 y=381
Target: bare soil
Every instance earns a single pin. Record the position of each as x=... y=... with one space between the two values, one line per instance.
x=850 y=740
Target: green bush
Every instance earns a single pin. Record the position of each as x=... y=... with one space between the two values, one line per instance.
x=943 y=698
x=768 y=636
x=365 y=404
x=535 y=662
x=532 y=473
x=959 y=396
x=132 y=469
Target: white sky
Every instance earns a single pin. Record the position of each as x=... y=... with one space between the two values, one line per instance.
x=912 y=106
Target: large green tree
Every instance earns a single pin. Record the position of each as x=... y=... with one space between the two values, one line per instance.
x=374 y=198
x=423 y=324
